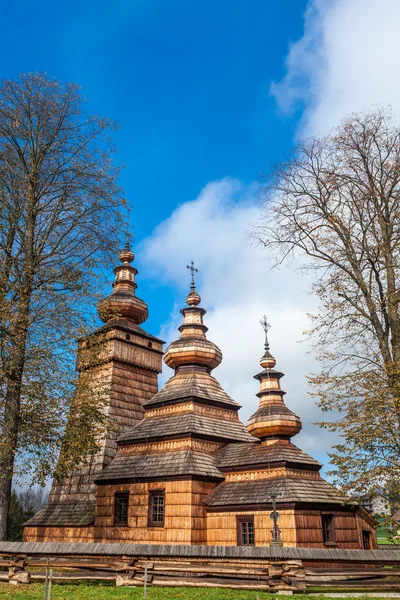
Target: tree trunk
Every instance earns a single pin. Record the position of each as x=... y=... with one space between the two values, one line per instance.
x=9 y=436
x=9 y=443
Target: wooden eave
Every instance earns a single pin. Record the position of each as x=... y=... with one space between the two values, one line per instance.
x=270 y=465
x=177 y=436
x=158 y=478
x=195 y=399
x=281 y=506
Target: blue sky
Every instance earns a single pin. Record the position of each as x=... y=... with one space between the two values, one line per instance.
x=188 y=81
x=208 y=94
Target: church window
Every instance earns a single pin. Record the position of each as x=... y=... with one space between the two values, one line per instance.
x=156 y=508
x=328 y=531
x=366 y=536
x=245 y=531
x=127 y=337
x=121 y=504
x=149 y=345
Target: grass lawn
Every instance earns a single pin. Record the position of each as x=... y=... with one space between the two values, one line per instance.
x=34 y=591
x=84 y=591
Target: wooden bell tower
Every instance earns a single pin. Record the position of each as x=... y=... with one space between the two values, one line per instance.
x=127 y=368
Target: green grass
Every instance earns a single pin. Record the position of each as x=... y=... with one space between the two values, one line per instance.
x=384 y=541
x=83 y=591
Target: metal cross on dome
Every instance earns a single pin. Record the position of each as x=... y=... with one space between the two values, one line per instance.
x=129 y=237
x=192 y=270
x=266 y=326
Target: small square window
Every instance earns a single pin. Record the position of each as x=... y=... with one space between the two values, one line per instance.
x=121 y=505
x=156 y=508
x=245 y=531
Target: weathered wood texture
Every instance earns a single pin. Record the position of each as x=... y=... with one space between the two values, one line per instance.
x=59 y=534
x=240 y=574
x=185 y=517
x=381 y=557
x=222 y=527
x=347 y=529
x=237 y=568
x=129 y=386
x=129 y=377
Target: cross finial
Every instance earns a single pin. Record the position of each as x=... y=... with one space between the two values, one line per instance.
x=128 y=238
x=192 y=270
x=266 y=326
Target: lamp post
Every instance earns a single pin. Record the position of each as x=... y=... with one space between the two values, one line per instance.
x=275 y=531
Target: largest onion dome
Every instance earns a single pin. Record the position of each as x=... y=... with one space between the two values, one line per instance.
x=193 y=348
x=273 y=419
x=123 y=302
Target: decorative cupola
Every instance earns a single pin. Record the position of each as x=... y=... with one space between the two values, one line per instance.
x=273 y=419
x=123 y=302
x=193 y=348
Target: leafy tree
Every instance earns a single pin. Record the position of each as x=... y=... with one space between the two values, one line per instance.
x=23 y=506
x=16 y=518
x=334 y=210
x=59 y=224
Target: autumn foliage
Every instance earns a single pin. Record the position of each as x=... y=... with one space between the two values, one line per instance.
x=59 y=227
x=333 y=210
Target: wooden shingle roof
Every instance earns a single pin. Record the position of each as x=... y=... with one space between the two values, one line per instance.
x=199 y=385
x=129 y=326
x=151 y=551
x=239 y=455
x=142 y=466
x=200 y=425
x=273 y=412
x=71 y=514
x=288 y=489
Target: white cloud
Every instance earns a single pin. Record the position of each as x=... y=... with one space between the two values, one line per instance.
x=346 y=61
x=237 y=288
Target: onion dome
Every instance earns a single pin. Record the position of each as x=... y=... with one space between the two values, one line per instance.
x=123 y=302
x=193 y=348
x=273 y=419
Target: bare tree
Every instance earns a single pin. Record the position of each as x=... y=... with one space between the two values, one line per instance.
x=334 y=210
x=59 y=222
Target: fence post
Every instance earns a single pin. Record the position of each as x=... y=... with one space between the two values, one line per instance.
x=46 y=583
x=145 y=581
x=49 y=584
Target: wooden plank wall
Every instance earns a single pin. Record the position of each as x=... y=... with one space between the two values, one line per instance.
x=185 y=517
x=200 y=489
x=59 y=534
x=222 y=527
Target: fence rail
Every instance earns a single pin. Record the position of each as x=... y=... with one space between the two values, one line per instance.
x=257 y=568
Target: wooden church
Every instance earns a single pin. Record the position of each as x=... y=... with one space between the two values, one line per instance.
x=184 y=469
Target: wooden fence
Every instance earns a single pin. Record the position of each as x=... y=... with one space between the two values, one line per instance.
x=255 y=568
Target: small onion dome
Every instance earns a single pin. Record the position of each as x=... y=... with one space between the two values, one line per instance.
x=123 y=302
x=193 y=299
x=275 y=420
x=267 y=361
x=124 y=305
x=193 y=350
x=126 y=255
